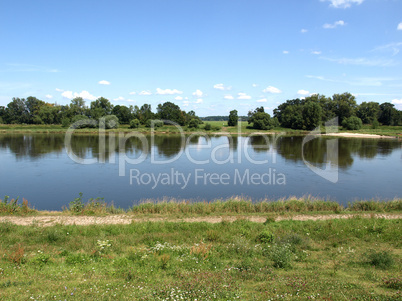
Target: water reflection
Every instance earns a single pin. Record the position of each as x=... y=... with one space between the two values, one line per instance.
x=37 y=146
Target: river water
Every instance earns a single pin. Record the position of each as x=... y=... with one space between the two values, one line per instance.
x=50 y=172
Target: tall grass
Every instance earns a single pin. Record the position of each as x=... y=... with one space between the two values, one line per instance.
x=238 y=205
x=231 y=206
x=12 y=206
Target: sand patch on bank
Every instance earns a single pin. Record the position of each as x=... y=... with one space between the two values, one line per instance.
x=357 y=135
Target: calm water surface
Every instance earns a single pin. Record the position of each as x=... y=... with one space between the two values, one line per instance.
x=39 y=168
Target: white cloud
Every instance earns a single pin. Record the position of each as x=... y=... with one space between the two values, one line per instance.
x=198 y=93
x=399 y=26
x=186 y=103
x=104 y=82
x=84 y=94
x=243 y=96
x=303 y=30
x=262 y=100
x=303 y=92
x=132 y=93
x=343 y=3
x=48 y=96
x=254 y=85
x=130 y=100
x=167 y=91
x=285 y=52
x=316 y=52
x=120 y=98
x=362 y=62
x=397 y=103
x=178 y=98
x=59 y=90
x=199 y=100
x=334 y=25
x=228 y=97
x=148 y=92
x=68 y=94
x=221 y=87
x=271 y=89
x=392 y=47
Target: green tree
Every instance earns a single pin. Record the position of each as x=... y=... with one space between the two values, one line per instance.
x=17 y=111
x=144 y=113
x=76 y=107
x=368 y=112
x=172 y=112
x=262 y=121
x=123 y=113
x=345 y=105
x=233 y=118
x=134 y=124
x=100 y=107
x=194 y=123
x=352 y=123
x=388 y=114
x=312 y=115
x=326 y=103
x=33 y=106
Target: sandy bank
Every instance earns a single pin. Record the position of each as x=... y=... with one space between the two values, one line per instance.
x=357 y=135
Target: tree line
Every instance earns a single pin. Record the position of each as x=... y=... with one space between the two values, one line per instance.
x=304 y=114
x=315 y=110
x=35 y=111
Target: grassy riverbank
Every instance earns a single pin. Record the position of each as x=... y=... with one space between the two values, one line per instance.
x=352 y=259
x=218 y=127
x=218 y=207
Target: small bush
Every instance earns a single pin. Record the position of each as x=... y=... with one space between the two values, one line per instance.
x=207 y=127
x=41 y=258
x=53 y=235
x=281 y=255
x=193 y=124
x=212 y=235
x=109 y=122
x=17 y=255
x=134 y=124
x=65 y=122
x=381 y=260
x=375 y=124
x=77 y=205
x=265 y=237
x=352 y=123
x=154 y=123
x=81 y=121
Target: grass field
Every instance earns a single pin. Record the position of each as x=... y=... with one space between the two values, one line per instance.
x=353 y=259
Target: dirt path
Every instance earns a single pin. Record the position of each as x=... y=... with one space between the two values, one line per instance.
x=127 y=219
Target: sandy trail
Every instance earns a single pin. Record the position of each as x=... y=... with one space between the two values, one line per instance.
x=127 y=219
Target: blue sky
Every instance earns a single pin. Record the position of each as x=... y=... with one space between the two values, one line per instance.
x=210 y=56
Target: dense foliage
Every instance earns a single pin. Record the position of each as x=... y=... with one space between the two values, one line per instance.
x=100 y=112
x=233 y=118
x=303 y=114
x=261 y=120
x=312 y=111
